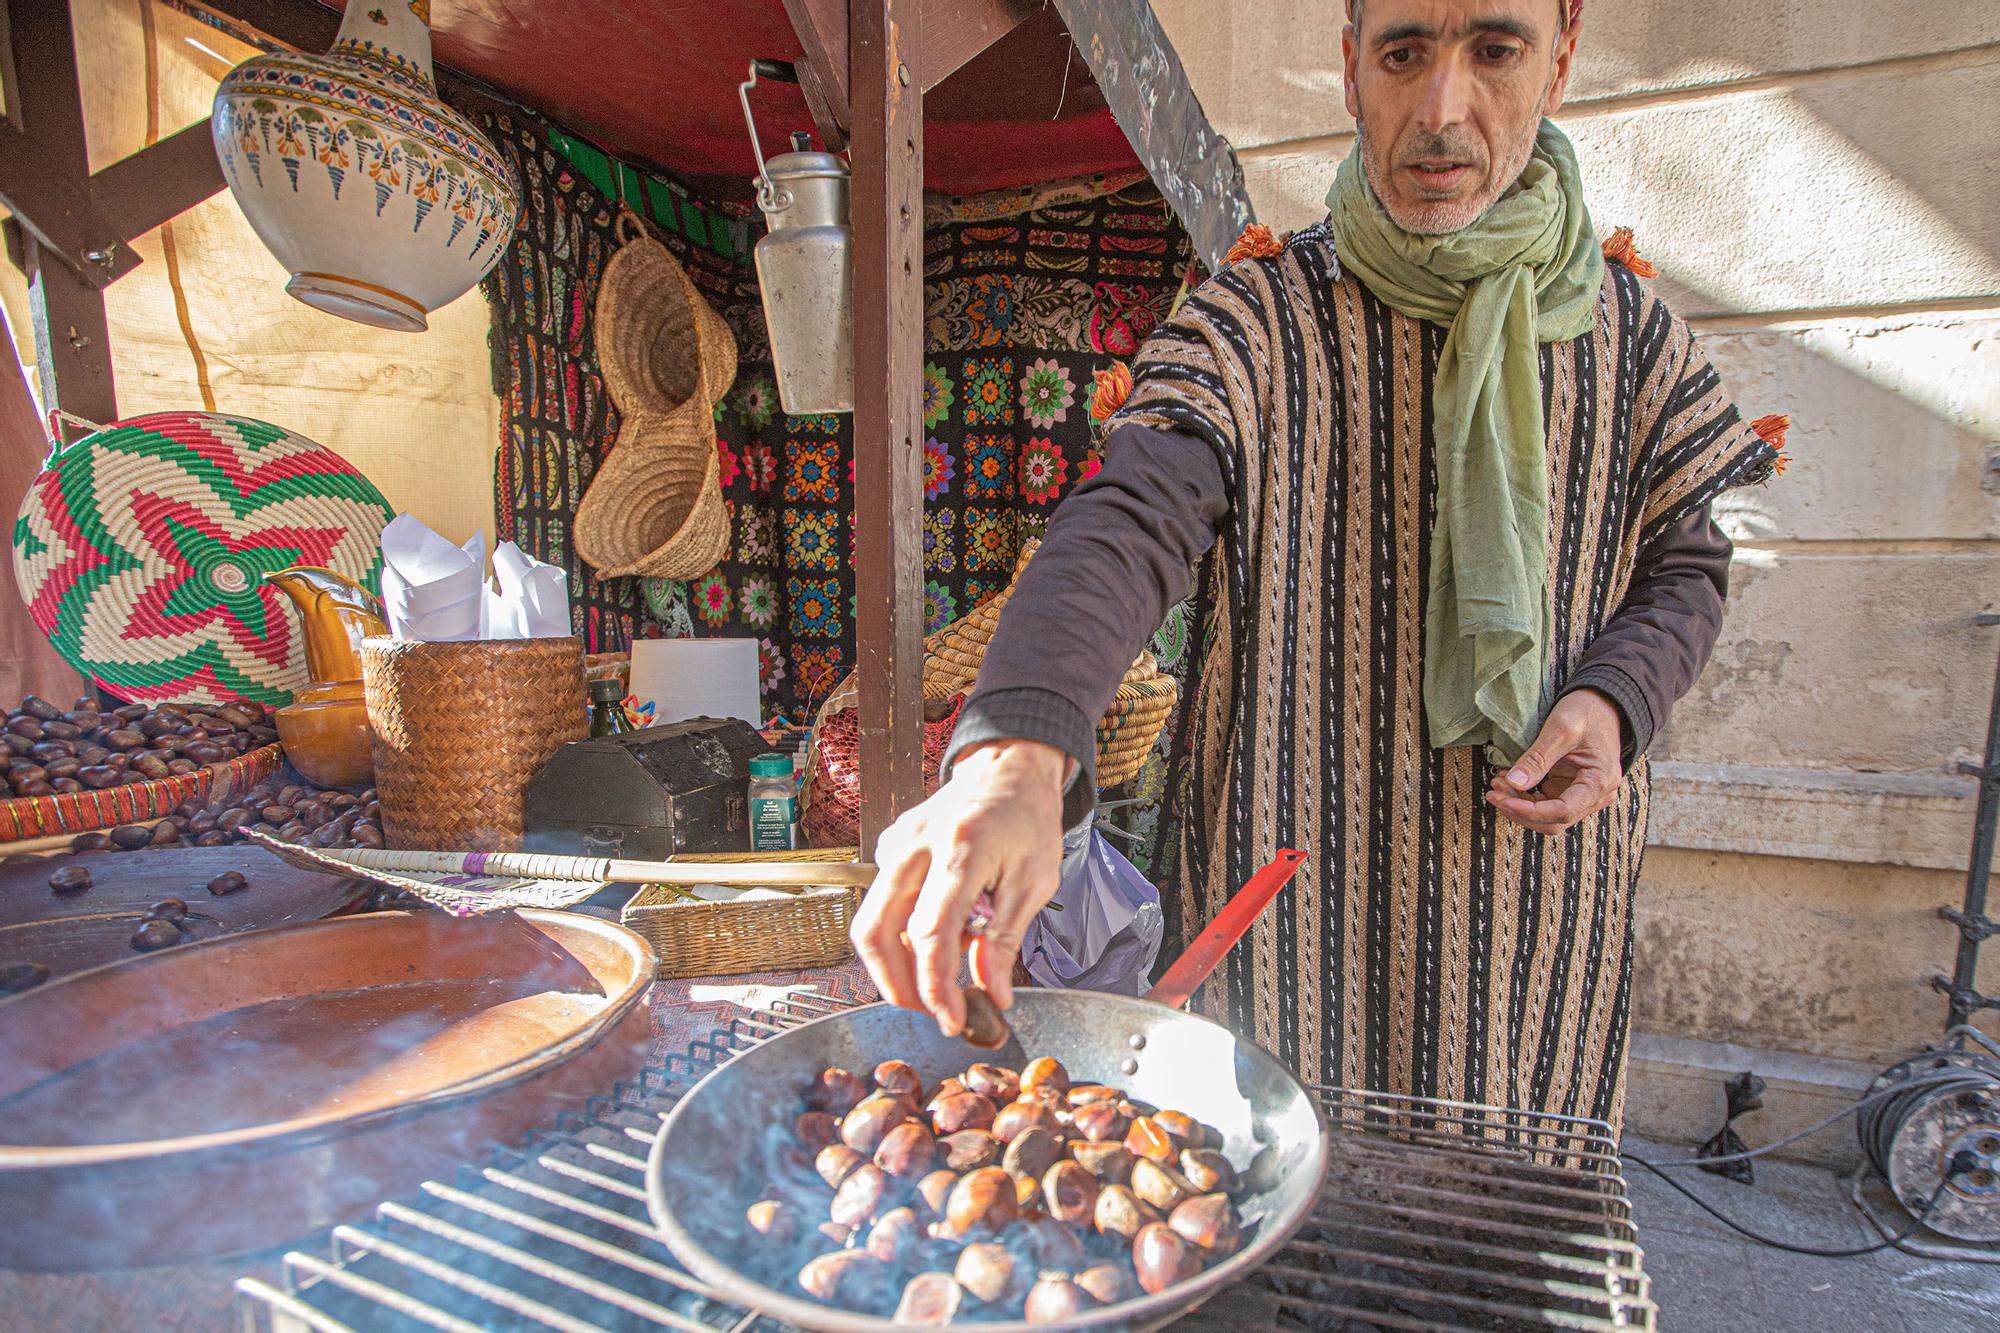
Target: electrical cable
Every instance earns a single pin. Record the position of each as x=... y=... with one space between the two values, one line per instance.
x=1816 y=1252
x=1924 y=1082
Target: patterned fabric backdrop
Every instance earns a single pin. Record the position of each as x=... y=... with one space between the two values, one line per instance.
x=1026 y=296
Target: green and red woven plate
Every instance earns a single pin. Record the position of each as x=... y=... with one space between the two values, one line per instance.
x=141 y=551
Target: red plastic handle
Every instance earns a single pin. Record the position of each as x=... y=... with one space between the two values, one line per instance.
x=1219 y=936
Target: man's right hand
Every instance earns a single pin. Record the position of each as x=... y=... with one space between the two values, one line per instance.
x=995 y=828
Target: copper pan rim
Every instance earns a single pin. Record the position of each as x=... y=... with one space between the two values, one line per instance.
x=303 y=1131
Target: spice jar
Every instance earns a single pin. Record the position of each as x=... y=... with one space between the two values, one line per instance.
x=773 y=804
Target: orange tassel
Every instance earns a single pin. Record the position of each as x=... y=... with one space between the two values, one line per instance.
x=1771 y=429
x=1256 y=242
x=1114 y=386
x=1618 y=248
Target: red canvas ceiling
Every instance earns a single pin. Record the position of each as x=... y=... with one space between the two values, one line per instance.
x=655 y=81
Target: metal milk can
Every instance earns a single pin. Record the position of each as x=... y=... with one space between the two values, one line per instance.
x=805 y=266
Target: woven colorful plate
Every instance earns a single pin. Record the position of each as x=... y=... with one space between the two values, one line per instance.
x=141 y=551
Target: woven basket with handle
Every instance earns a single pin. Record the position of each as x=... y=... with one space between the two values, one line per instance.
x=702 y=939
x=457 y=729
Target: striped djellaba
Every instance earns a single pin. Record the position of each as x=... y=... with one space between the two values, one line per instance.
x=1430 y=947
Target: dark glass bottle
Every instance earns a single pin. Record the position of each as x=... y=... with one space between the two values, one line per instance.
x=607 y=707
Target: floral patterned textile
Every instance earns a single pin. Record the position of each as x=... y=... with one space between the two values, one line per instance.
x=1021 y=312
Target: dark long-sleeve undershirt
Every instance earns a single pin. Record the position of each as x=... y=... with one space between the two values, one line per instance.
x=1122 y=550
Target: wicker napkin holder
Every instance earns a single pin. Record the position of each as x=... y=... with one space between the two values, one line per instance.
x=458 y=729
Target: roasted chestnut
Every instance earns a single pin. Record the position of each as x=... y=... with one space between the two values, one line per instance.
x=1182 y=1128
x=1119 y=1213
x=848 y=1277
x=990 y=1274
x=864 y=1127
x=907 y=1152
x=1160 y=1258
x=774 y=1218
x=1083 y=1094
x=1055 y=1297
x=897 y=1076
x=964 y=1110
x=837 y=1091
x=840 y=1235
x=1208 y=1222
x=1208 y=1170
x=930 y=1298
x=1159 y=1184
x=1109 y=1162
x=816 y=1129
x=836 y=1162
x=168 y=909
x=1100 y=1122
x=1018 y=1117
x=1045 y=1072
x=864 y=1195
x=16 y=977
x=970 y=1149
x=895 y=1235
x=1107 y=1284
x=1027 y=1194
x=70 y=880
x=1069 y=1193
x=229 y=881
x=997 y=1082
x=983 y=1203
x=1145 y=1138
x=985 y=1026
x=933 y=1192
x=1054 y=1246
x=1031 y=1153
x=155 y=934
x=951 y=1087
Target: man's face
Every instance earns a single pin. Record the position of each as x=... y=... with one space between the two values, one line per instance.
x=1447 y=96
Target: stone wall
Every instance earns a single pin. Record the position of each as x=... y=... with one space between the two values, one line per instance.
x=1814 y=181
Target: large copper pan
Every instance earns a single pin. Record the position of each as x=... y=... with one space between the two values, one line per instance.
x=233 y=1094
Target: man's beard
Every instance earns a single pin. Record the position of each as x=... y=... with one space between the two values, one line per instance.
x=1444 y=216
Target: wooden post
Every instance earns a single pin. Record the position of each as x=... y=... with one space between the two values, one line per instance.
x=886 y=125
x=72 y=340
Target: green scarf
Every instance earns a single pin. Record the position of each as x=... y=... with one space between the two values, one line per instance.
x=1526 y=272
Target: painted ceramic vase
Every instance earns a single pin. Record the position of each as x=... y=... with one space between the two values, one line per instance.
x=382 y=202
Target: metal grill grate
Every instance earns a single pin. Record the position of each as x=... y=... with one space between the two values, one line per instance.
x=1435 y=1215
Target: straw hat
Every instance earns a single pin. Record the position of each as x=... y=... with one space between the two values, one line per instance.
x=655 y=506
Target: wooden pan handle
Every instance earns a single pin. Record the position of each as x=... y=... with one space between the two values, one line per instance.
x=1219 y=936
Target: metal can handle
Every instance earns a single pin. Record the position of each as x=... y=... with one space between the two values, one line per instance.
x=769 y=198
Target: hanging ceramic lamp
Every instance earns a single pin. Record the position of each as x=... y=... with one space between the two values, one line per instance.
x=382 y=202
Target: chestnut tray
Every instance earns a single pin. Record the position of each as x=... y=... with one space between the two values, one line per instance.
x=221 y=1097
x=69 y=934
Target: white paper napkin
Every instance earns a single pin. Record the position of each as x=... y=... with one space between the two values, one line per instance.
x=436 y=592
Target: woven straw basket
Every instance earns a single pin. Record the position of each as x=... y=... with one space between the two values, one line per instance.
x=697 y=939
x=655 y=506
x=457 y=729
x=1144 y=700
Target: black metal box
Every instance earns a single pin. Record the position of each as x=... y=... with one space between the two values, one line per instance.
x=647 y=795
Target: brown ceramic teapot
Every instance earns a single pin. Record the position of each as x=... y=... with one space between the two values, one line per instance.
x=325 y=728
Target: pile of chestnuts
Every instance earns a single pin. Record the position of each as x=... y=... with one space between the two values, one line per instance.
x=996 y=1194
x=85 y=747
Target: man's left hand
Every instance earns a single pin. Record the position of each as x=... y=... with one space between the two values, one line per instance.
x=1571 y=771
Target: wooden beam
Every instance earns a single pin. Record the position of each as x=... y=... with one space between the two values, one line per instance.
x=65 y=222
x=1142 y=80
x=957 y=30
x=887 y=115
x=821 y=27
x=161 y=181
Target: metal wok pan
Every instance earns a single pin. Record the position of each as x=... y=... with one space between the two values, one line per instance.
x=714 y=1154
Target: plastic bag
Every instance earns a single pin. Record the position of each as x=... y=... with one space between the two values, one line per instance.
x=1107 y=937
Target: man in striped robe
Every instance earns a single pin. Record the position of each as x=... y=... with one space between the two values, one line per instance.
x=1439 y=477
